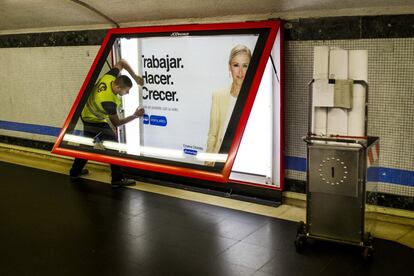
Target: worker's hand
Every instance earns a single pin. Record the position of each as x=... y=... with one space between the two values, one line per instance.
x=139 y=112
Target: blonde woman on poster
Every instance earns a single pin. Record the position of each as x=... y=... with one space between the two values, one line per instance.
x=224 y=100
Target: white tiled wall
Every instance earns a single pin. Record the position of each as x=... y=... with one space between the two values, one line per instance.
x=39 y=85
x=391 y=98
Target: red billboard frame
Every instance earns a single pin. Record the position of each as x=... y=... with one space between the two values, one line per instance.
x=273 y=27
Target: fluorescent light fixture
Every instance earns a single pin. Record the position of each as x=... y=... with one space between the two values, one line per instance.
x=133 y=131
x=115 y=146
x=213 y=157
x=254 y=155
x=157 y=152
x=148 y=151
x=160 y=152
x=78 y=139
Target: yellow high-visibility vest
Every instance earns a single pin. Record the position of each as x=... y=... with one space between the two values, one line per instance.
x=93 y=111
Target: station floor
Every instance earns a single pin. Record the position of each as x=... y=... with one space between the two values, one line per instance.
x=50 y=225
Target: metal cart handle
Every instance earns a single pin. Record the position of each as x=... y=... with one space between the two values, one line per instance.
x=310 y=139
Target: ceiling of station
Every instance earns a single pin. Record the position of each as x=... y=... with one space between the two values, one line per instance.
x=26 y=15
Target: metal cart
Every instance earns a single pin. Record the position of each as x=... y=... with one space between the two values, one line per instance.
x=335 y=190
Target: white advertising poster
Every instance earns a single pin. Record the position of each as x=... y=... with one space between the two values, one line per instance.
x=180 y=76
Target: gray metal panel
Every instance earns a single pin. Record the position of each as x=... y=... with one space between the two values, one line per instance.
x=335 y=217
x=334 y=170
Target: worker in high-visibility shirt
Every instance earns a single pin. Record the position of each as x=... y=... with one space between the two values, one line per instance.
x=100 y=117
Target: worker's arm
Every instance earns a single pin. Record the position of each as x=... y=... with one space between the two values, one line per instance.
x=123 y=64
x=116 y=121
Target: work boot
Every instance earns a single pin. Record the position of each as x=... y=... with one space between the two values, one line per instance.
x=123 y=182
x=83 y=172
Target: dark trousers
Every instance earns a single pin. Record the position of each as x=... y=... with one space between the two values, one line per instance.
x=103 y=132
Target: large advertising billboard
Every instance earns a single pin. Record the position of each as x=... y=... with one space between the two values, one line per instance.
x=196 y=87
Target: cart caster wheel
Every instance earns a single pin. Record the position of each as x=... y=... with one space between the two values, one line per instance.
x=368 y=238
x=301 y=228
x=300 y=243
x=368 y=252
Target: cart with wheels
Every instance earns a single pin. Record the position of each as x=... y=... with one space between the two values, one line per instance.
x=335 y=191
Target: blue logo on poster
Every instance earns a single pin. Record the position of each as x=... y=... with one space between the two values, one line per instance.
x=158 y=120
x=190 y=151
x=146 y=119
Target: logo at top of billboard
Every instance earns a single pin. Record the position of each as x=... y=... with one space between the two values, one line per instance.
x=180 y=34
